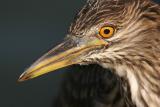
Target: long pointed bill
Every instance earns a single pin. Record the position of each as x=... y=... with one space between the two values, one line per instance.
x=63 y=55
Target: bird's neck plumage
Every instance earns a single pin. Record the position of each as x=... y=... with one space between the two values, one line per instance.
x=139 y=64
x=140 y=72
x=134 y=53
x=143 y=79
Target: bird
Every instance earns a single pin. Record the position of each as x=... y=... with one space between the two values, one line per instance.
x=120 y=35
x=91 y=86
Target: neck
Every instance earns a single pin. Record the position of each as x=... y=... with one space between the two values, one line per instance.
x=144 y=86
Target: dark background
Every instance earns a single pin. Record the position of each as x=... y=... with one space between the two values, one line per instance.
x=28 y=28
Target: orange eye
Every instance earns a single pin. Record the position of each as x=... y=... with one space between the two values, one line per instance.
x=106 y=32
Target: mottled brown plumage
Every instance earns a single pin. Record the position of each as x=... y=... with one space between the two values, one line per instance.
x=134 y=50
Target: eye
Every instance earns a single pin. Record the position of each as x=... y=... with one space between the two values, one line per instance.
x=106 y=32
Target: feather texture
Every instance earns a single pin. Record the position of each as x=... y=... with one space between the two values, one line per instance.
x=134 y=51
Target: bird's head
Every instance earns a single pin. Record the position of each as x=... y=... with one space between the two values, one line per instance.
x=104 y=31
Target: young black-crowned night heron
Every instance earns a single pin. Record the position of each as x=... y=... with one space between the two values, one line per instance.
x=122 y=35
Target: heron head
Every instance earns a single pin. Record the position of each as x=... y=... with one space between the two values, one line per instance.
x=103 y=31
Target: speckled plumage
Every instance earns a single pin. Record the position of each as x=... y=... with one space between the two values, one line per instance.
x=134 y=51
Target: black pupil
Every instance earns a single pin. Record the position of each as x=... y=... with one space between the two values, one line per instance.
x=106 y=31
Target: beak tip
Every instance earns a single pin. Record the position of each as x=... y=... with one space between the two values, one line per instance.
x=23 y=77
x=20 y=80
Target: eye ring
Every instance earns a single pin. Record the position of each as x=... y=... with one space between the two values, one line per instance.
x=106 y=31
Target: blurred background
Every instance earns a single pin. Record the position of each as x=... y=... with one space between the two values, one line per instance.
x=28 y=28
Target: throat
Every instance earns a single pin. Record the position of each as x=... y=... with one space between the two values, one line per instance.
x=141 y=89
x=141 y=92
x=134 y=89
x=130 y=86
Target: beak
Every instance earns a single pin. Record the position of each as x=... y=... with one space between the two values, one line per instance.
x=65 y=54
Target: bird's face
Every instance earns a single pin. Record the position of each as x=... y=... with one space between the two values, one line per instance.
x=96 y=40
x=100 y=31
x=74 y=50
